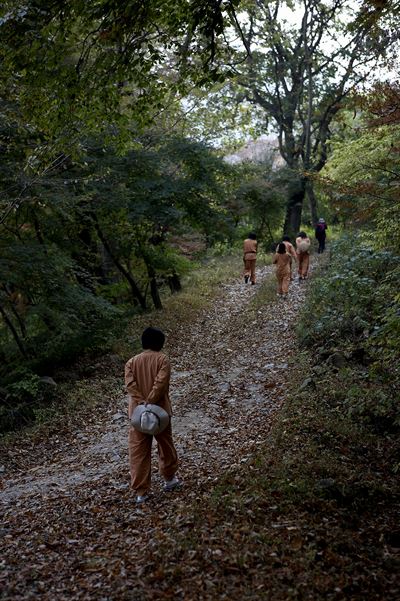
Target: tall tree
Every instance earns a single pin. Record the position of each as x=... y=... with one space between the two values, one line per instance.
x=300 y=68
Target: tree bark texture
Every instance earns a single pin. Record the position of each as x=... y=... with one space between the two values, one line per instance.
x=14 y=332
x=294 y=206
x=313 y=201
x=155 y=295
x=137 y=295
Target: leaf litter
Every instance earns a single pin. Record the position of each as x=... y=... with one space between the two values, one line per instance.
x=71 y=530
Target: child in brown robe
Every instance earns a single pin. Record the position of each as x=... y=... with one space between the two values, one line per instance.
x=282 y=261
x=249 y=258
x=290 y=249
x=147 y=377
x=303 y=245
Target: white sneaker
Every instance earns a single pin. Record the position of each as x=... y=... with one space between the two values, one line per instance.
x=141 y=499
x=172 y=484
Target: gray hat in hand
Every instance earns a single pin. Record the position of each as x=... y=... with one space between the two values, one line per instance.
x=149 y=419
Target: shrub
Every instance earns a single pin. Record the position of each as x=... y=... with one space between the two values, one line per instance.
x=353 y=308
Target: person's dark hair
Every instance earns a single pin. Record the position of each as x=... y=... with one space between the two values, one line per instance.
x=285 y=239
x=252 y=236
x=281 y=248
x=302 y=235
x=153 y=339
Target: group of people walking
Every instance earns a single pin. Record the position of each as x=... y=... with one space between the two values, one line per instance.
x=147 y=375
x=286 y=257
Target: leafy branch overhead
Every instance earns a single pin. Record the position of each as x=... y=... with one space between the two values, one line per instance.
x=81 y=65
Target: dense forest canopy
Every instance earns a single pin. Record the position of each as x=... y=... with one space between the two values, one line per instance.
x=108 y=190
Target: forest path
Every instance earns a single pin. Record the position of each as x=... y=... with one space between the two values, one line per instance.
x=225 y=368
x=229 y=377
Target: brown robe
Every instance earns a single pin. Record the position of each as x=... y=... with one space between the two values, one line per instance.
x=147 y=377
x=291 y=251
x=249 y=258
x=303 y=258
x=282 y=262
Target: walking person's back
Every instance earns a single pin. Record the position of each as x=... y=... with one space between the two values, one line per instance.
x=147 y=378
x=303 y=245
x=249 y=258
x=320 y=234
x=282 y=261
x=290 y=249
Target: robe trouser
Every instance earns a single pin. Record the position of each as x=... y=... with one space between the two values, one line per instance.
x=250 y=269
x=292 y=262
x=140 y=458
x=283 y=278
x=304 y=261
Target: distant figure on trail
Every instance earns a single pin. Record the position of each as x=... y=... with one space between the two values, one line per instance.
x=147 y=377
x=249 y=258
x=320 y=234
x=282 y=260
x=303 y=245
x=291 y=251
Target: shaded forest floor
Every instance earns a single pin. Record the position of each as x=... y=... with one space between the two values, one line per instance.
x=281 y=500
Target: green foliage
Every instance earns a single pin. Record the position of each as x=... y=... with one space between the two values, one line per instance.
x=91 y=241
x=354 y=311
x=80 y=66
x=25 y=388
x=264 y=204
x=54 y=317
x=295 y=75
x=21 y=394
x=363 y=180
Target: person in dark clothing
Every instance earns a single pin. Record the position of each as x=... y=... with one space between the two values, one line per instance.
x=320 y=234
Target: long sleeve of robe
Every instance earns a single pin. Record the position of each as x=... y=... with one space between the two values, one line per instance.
x=282 y=262
x=147 y=378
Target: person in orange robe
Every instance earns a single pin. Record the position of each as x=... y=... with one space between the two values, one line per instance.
x=290 y=249
x=147 y=377
x=282 y=261
x=249 y=258
x=303 y=245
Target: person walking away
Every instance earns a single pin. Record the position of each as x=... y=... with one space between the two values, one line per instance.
x=282 y=261
x=320 y=234
x=291 y=251
x=147 y=377
x=249 y=258
x=303 y=245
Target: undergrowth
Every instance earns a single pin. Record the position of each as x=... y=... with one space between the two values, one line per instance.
x=351 y=325
x=91 y=383
x=314 y=513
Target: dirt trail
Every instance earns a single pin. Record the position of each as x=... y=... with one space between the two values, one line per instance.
x=70 y=529
x=228 y=376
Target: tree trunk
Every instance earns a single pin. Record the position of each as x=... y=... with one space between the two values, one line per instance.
x=137 y=295
x=155 y=294
x=174 y=283
x=14 y=332
x=294 y=207
x=154 y=288
x=13 y=303
x=21 y=322
x=313 y=201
